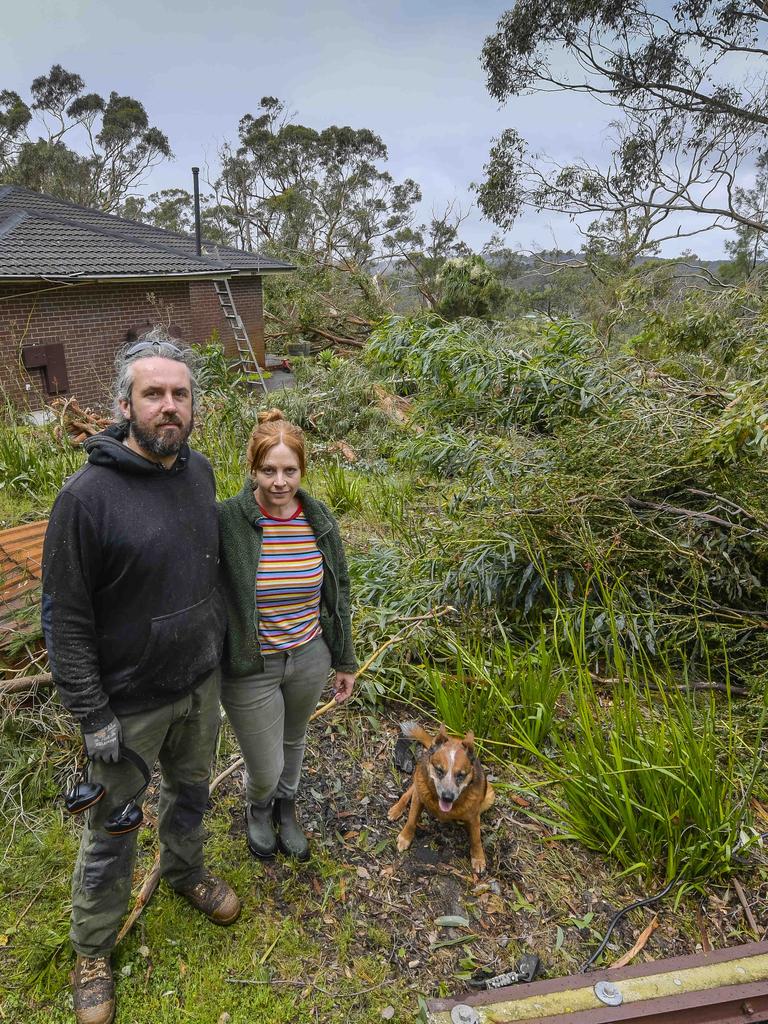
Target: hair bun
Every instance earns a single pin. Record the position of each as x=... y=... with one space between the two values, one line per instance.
x=270 y=415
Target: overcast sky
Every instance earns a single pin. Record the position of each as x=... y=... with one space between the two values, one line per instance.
x=410 y=71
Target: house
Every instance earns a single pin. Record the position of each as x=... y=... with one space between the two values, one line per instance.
x=76 y=284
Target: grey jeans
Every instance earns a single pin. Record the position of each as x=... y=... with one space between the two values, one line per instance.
x=270 y=712
x=182 y=736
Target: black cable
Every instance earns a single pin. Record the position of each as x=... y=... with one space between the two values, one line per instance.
x=621 y=913
x=646 y=903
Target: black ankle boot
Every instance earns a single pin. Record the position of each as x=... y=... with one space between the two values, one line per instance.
x=262 y=841
x=290 y=838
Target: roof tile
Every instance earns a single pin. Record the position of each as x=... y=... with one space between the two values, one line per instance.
x=41 y=236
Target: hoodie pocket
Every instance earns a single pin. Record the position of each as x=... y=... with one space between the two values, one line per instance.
x=182 y=647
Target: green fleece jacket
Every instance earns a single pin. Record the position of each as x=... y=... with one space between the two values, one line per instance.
x=240 y=550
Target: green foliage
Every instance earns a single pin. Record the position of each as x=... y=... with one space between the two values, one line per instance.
x=335 y=400
x=749 y=247
x=214 y=372
x=319 y=296
x=741 y=430
x=507 y=697
x=34 y=462
x=676 y=146
x=581 y=459
x=699 y=325
x=468 y=287
x=515 y=374
x=320 y=192
x=341 y=488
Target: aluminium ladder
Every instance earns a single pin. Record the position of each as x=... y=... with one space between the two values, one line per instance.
x=248 y=360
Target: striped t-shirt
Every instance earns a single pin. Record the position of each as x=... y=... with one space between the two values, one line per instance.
x=288 y=583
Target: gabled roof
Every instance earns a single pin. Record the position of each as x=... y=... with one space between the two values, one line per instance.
x=41 y=236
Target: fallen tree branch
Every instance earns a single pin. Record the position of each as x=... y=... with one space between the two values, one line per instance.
x=698 y=684
x=725 y=501
x=225 y=775
x=335 y=339
x=22 y=683
x=745 y=906
x=688 y=513
x=145 y=895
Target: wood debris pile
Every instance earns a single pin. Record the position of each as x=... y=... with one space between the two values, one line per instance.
x=75 y=423
x=397 y=408
x=346 y=451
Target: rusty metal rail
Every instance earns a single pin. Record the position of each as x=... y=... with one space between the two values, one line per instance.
x=21 y=554
x=724 y=986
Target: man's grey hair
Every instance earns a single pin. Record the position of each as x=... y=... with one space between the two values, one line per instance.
x=151 y=344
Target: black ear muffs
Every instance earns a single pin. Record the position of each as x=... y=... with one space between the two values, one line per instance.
x=84 y=795
x=125 y=819
x=129 y=817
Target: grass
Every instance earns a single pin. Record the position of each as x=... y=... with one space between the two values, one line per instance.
x=298 y=927
x=33 y=466
x=341 y=488
x=356 y=916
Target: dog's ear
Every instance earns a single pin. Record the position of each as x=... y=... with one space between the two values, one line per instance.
x=469 y=744
x=442 y=735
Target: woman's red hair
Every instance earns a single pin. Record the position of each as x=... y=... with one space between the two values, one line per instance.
x=271 y=430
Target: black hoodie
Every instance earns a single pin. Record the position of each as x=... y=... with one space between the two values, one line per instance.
x=131 y=614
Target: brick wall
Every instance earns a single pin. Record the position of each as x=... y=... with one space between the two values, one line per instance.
x=248 y=295
x=207 y=314
x=91 y=321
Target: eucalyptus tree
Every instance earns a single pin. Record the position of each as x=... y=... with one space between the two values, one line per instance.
x=748 y=249
x=688 y=83
x=77 y=145
x=421 y=250
x=321 y=193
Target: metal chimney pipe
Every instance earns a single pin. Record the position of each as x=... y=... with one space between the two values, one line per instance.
x=198 y=232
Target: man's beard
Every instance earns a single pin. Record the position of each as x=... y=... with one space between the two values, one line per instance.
x=152 y=439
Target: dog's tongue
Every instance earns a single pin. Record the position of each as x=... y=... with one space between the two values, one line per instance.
x=445 y=805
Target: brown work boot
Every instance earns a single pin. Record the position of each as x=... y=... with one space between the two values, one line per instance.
x=214 y=898
x=93 y=990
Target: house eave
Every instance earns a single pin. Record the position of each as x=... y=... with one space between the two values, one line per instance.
x=207 y=275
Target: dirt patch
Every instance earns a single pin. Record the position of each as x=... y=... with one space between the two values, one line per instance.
x=540 y=894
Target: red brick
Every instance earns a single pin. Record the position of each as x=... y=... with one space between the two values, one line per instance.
x=91 y=321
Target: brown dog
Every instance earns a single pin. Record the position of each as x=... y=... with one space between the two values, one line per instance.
x=450 y=782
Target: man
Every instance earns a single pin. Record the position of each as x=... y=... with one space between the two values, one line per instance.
x=134 y=628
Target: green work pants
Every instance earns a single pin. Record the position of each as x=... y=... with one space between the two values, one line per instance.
x=182 y=736
x=270 y=712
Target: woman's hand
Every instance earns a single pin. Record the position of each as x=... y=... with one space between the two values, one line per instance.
x=343 y=684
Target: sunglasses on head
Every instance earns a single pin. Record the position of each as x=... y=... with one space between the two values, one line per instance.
x=145 y=346
x=123 y=819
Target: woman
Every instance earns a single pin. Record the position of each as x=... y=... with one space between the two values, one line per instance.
x=287 y=592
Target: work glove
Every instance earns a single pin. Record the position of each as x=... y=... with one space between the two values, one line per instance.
x=104 y=743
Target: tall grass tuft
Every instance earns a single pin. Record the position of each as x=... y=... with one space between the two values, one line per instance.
x=34 y=463
x=341 y=488
x=508 y=697
x=651 y=778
